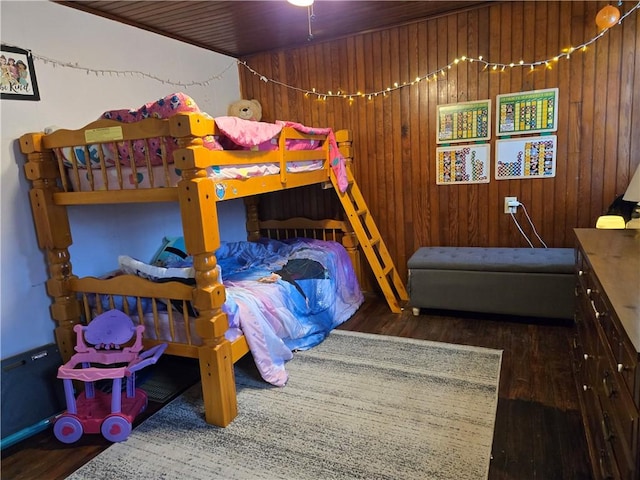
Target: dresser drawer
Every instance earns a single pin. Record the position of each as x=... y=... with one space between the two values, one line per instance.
x=585 y=327
x=624 y=355
x=584 y=276
x=604 y=460
x=619 y=420
x=619 y=452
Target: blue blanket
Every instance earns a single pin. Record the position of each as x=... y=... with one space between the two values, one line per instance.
x=282 y=295
x=286 y=296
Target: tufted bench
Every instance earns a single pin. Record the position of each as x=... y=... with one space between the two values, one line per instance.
x=536 y=282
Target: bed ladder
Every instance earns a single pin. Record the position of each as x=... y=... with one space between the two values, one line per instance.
x=371 y=242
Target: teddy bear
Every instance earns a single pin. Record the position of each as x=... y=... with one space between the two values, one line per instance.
x=246 y=109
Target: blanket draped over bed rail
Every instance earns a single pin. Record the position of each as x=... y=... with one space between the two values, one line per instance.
x=184 y=155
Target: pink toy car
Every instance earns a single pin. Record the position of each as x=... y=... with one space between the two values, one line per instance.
x=100 y=356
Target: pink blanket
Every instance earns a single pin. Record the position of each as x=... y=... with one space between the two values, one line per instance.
x=237 y=134
x=338 y=163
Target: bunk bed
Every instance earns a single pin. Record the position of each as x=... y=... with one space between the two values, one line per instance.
x=190 y=158
x=170 y=151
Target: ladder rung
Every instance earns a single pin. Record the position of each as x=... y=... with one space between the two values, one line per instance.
x=362 y=211
x=388 y=269
x=373 y=241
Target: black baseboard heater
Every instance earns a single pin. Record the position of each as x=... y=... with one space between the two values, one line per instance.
x=32 y=395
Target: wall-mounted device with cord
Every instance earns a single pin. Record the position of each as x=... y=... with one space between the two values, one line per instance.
x=511 y=205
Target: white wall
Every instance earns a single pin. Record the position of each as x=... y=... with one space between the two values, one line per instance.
x=70 y=98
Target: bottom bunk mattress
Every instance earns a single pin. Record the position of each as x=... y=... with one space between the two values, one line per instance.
x=282 y=295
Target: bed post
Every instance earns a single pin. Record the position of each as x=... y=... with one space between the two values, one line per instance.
x=344 y=139
x=54 y=237
x=253 y=220
x=200 y=227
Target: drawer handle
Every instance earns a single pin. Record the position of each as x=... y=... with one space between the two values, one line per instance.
x=586 y=356
x=595 y=310
x=604 y=466
x=588 y=291
x=608 y=436
x=586 y=388
x=608 y=390
x=621 y=367
x=580 y=273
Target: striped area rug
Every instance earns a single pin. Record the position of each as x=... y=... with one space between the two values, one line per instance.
x=356 y=406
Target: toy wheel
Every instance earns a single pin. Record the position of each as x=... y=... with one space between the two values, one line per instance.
x=67 y=429
x=144 y=407
x=115 y=428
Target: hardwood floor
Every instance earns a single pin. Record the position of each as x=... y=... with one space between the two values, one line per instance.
x=538 y=432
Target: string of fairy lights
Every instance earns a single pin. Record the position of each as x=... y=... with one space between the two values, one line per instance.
x=442 y=71
x=132 y=73
x=324 y=95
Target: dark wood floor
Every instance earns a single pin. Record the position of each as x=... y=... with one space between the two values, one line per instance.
x=538 y=431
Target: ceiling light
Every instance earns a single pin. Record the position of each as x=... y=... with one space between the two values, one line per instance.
x=301 y=3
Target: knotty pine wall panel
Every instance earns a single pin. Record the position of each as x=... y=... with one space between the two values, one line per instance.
x=394 y=134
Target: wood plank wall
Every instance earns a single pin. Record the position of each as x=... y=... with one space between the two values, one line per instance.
x=394 y=135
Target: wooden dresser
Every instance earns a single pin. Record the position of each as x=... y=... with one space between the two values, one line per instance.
x=606 y=348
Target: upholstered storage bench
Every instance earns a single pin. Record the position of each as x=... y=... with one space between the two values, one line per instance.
x=536 y=282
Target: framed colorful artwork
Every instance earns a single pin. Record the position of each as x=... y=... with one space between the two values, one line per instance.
x=527 y=157
x=464 y=122
x=18 y=77
x=527 y=112
x=462 y=164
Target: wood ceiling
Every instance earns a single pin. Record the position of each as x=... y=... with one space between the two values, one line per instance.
x=243 y=28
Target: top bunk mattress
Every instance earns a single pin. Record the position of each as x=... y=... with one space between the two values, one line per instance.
x=101 y=165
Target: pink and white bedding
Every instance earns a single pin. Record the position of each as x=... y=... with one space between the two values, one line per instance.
x=235 y=134
x=282 y=295
x=156 y=177
x=143 y=178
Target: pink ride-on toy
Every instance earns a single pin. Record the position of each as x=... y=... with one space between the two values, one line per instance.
x=100 y=356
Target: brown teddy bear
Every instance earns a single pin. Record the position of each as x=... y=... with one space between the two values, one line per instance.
x=246 y=109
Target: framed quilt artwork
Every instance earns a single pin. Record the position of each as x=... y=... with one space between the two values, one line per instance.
x=462 y=164
x=527 y=157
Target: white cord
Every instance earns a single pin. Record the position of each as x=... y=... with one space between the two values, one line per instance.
x=532 y=226
x=523 y=234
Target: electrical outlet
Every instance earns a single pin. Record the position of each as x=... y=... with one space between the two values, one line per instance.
x=507 y=204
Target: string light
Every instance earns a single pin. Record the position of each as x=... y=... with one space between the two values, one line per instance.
x=433 y=75
x=137 y=73
x=134 y=73
x=313 y=92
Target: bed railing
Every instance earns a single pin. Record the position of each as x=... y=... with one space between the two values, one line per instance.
x=334 y=230
x=164 y=309
x=139 y=157
x=328 y=229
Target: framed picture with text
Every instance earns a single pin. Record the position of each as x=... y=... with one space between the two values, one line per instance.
x=18 y=77
x=464 y=122
x=527 y=112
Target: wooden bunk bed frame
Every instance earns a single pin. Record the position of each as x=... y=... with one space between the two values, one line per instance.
x=196 y=193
